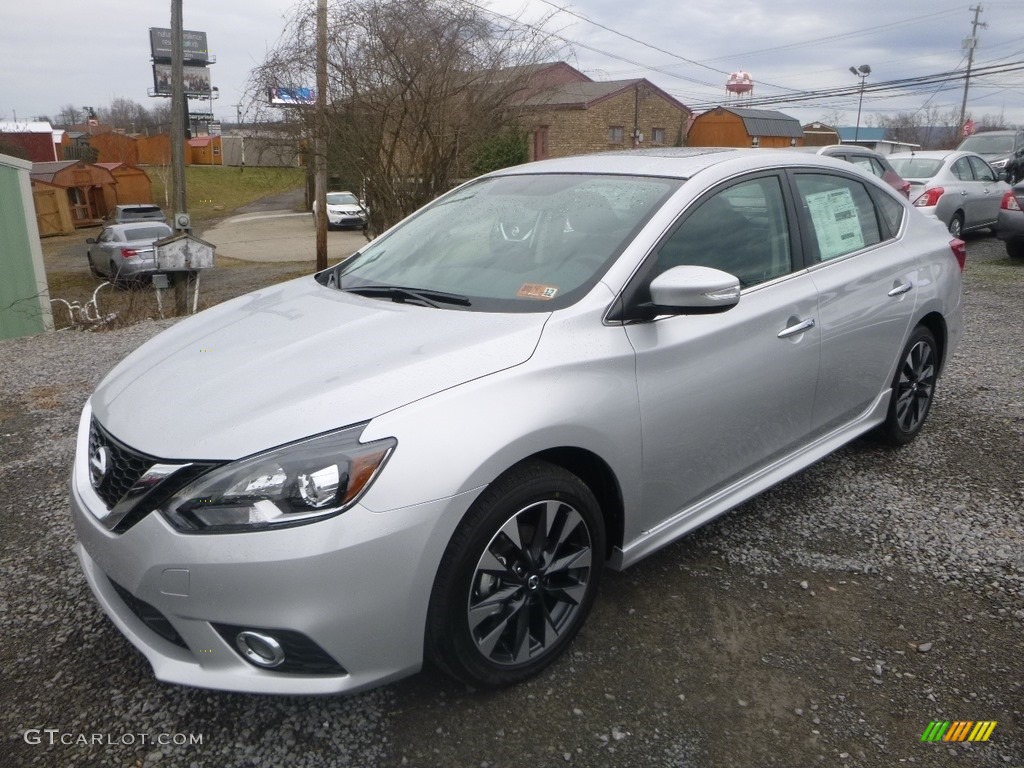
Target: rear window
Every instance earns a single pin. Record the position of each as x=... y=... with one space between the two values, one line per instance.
x=154 y=232
x=989 y=144
x=915 y=167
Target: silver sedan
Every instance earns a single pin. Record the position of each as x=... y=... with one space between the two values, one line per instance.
x=958 y=188
x=125 y=251
x=432 y=450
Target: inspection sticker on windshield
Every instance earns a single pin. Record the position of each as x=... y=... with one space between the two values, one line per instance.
x=537 y=291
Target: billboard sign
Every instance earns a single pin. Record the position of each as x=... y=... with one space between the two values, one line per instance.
x=196 y=80
x=193 y=47
x=292 y=97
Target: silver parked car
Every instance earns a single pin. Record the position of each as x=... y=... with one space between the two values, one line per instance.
x=125 y=251
x=1010 y=226
x=433 y=449
x=958 y=188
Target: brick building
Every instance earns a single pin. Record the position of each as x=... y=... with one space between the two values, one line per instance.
x=566 y=113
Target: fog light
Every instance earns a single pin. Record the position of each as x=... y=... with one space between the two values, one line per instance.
x=261 y=650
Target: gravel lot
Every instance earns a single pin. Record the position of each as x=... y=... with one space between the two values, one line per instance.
x=824 y=623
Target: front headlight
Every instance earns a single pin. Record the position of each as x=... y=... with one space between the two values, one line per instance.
x=296 y=483
x=999 y=163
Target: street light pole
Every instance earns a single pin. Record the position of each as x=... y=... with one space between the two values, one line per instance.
x=862 y=72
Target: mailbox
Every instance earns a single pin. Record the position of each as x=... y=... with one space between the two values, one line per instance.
x=183 y=252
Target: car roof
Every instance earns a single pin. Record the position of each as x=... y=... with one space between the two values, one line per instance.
x=932 y=154
x=673 y=162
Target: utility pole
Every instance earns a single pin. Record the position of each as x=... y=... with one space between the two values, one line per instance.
x=238 y=127
x=179 y=107
x=971 y=43
x=320 y=136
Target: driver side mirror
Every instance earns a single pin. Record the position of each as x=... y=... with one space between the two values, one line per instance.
x=691 y=290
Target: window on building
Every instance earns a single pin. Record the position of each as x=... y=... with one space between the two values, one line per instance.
x=657 y=136
x=616 y=134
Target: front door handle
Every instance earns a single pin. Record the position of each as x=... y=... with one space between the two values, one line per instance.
x=900 y=289
x=793 y=330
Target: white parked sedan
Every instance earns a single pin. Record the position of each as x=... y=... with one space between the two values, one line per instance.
x=958 y=188
x=433 y=449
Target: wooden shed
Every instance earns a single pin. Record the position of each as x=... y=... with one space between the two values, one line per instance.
x=83 y=183
x=205 y=150
x=156 y=150
x=132 y=185
x=736 y=127
x=53 y=212
x=820 y=135
x=114 y=147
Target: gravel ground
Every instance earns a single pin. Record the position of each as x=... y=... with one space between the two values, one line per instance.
x=824 y=623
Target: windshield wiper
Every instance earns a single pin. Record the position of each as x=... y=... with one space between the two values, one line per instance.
x=401 y=294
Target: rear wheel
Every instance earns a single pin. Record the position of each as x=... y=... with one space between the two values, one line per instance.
x=518 y=577
x=956 y=224
x=913 y=388
x=1015 y=249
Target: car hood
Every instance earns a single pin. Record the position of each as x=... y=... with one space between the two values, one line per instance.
x=345 y=208
x=294 y=360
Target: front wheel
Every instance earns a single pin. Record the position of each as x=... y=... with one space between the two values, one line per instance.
x=913 y=388
x=518 y=577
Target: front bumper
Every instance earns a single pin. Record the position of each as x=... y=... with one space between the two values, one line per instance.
x=356 y=585
x=343 y=219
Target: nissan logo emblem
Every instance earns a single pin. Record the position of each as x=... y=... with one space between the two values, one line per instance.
x=99 y=465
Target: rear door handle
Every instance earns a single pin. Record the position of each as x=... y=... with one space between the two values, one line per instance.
x=793 y=330
x=900 y=289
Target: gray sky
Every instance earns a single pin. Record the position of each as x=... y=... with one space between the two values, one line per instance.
x=57 y=52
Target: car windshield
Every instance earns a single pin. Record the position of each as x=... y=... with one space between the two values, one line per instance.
x=915 y=167
x=989 y=144
x=524 y=243
x=342 y=198
x=154 y=232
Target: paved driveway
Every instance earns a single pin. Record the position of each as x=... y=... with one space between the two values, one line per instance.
x=281 y=235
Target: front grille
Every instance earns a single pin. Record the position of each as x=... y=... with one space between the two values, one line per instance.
x=301 y=655
x=149 y=616
x=126 y=465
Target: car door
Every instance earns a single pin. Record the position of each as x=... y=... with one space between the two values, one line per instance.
x=866 y=285
x=969 y=192
x=106 y=244
x=723 y=394
x=991 y=194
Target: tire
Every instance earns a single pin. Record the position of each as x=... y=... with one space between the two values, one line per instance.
x=913 y=388
x=92 y=267
x=1015 y=249
x=956 y=225
x=518 y=578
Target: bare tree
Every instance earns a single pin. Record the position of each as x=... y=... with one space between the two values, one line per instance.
x=126 y=115
x=69 y=115
x=416 y=87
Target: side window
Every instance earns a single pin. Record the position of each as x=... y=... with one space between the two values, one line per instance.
x=982 y=170
x=840 y=213
x=962 y=170
x=868 y=164
x=892 y=212
x=741 y=230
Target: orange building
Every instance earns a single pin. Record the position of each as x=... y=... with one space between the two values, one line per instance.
x=736 y=127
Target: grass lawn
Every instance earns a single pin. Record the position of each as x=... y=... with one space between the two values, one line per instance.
x=213 y=191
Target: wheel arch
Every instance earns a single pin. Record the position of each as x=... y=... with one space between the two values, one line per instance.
x=597 y=475
x=936 y=323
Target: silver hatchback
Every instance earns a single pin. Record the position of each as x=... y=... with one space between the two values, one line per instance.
x=433 y=449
